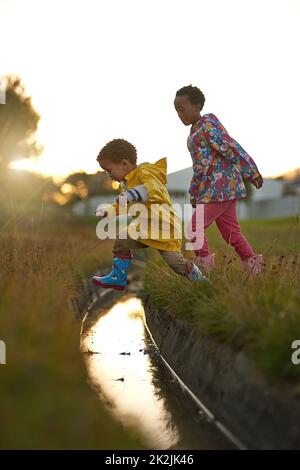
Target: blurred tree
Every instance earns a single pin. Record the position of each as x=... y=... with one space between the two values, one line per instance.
x=18 y=124
x=94 y=184
x=22 y=193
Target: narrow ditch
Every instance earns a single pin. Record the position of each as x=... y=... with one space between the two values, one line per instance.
x=127 y=372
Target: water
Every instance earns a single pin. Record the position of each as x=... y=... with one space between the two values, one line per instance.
x=124 y=369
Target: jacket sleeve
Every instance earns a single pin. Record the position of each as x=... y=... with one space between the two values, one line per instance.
x=138 y=193
x=201 y=165
x=218 y=138
x=152 y=187
x=193 y=191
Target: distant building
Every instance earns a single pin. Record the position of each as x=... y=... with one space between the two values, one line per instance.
x=179 y=181
x=178 y=184
x=277 y=198
x=270 y=190
x=293 y=187
x=88 y=206
x=271 y=200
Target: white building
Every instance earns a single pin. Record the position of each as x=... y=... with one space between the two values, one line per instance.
x=265 y=203
x=179 y=181
x=271 y=190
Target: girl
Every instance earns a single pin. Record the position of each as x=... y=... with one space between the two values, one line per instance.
x=219 y=166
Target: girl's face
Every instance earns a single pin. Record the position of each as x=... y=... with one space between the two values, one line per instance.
x=116 y=171
x=188 y=112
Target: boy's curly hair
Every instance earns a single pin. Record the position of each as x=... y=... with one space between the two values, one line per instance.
x=193 y=93
x=117 y=150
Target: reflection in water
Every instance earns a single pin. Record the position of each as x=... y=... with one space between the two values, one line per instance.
x=196 y=429
x=121 y=371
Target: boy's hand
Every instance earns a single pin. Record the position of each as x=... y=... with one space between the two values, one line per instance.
x=102 y=216
x=258 y=182
x=101 y=212
x=122 y=199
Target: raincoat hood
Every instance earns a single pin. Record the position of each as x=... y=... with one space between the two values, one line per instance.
x=159 y=206
x=158 y=170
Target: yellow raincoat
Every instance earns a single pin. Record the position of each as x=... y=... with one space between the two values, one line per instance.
x=159 y=207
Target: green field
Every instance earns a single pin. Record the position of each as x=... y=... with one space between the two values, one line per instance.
x=45 y=254
x=45 y=400
x=260 y=315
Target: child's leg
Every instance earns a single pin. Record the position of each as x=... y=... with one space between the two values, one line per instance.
x=182 y=266
x=193 y=229
x=229 y=227
x=175 y=260
x=211 y=212
x=124 y=247
x=117 y=278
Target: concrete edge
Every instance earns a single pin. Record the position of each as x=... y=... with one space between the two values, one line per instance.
x=259 y=414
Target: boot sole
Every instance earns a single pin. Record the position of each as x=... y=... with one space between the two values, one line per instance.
x=108 y=286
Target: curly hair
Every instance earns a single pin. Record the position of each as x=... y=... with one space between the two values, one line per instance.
x=193 y=93
x=117 y=150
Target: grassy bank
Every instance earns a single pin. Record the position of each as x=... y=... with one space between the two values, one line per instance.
x=260 y=315
x=45 y=400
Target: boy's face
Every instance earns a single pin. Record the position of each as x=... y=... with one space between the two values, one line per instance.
x=188 y=112
x=116 y=171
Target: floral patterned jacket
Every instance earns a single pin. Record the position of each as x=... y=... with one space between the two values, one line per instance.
x=219 y=163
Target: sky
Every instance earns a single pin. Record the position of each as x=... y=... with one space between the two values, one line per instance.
x=105 y=69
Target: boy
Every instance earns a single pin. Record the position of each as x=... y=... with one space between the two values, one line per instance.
x=144 y=184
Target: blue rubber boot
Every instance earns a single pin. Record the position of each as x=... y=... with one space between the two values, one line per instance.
x=193 y=273
x=117 y=279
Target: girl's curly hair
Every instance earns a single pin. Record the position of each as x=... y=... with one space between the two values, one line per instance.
x=193 y=93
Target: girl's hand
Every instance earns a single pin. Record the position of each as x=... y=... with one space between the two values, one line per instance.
x=258 y=182
x=193 y=202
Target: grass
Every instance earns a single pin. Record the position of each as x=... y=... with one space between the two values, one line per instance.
x=259 y=315
x=45 y=400
x=46 y=253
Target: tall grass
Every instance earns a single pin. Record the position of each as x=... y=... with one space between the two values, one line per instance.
x=259 y=315
x=45 y=400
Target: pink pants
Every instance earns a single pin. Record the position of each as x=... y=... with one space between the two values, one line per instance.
x=225 y=216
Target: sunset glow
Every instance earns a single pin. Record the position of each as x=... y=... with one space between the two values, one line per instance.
x=98 y=70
